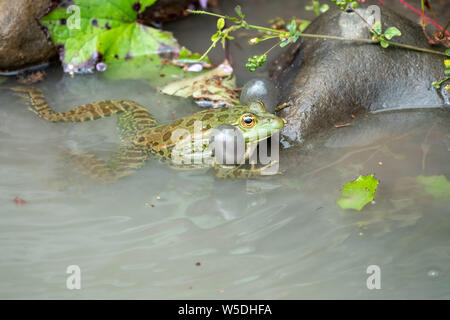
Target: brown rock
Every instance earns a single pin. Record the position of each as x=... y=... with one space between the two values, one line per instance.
x=22 y=42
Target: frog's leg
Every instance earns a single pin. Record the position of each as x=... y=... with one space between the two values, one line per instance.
x=239 y=172
x=91 y=111
x=131 y=118
x=127 y=160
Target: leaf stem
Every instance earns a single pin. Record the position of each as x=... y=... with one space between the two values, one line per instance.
x=213 y=14
x=275 y=45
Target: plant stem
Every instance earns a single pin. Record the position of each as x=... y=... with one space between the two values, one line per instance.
x=251 y=26
x=212 y=14
x=407 y=46
x=320 y=36
x=275 y=45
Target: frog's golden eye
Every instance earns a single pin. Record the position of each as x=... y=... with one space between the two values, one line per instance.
x=248 y=120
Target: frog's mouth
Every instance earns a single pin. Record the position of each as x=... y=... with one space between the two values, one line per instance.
x=265 y=130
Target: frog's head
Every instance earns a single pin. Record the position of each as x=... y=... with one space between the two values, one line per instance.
x=255 y=123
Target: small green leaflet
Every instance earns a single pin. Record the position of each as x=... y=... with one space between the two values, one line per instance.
x=391 y=32
x=376 y=28
x=89 y=32
x=436 y=186
x=358 y=193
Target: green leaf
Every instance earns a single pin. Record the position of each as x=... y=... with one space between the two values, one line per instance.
x=238 y=10
x=376 y=28
x=447 y=52
x=292 y=27
x=108 y=33
x=324 y=8
x=447 y=63
x=220 y=23
x=216 y=36
x=358 y=193
x=436 y=186
x=303 y=25
x=384 y=43
x=391 y=32
x=285 y=42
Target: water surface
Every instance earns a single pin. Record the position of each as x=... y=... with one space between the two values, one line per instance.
x=164 y=233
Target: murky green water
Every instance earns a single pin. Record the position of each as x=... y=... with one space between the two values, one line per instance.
x=279 y=237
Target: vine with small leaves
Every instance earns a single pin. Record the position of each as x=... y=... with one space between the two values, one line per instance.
x=384 y=37
x=294 y=32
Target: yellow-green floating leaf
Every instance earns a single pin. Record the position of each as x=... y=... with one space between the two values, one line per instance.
x=358 y=193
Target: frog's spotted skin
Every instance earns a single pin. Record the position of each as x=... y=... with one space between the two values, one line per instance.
x=142 y=136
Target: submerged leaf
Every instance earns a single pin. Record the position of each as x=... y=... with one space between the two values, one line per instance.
x=358 y=193
x=214 y=88
x=436 y=186
x=107 y=31
x=143 y=67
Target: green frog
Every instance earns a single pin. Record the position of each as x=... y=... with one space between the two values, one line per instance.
x=142 y=136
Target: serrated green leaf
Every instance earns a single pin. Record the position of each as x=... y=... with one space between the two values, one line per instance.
x=358 y=193
x=436 y=186
x=108 y=32
x=391 y=32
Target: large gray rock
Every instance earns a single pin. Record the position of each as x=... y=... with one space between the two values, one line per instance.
x=22 y=41
x=328 y=81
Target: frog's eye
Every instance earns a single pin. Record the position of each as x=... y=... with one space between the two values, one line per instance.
x=248 y=120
